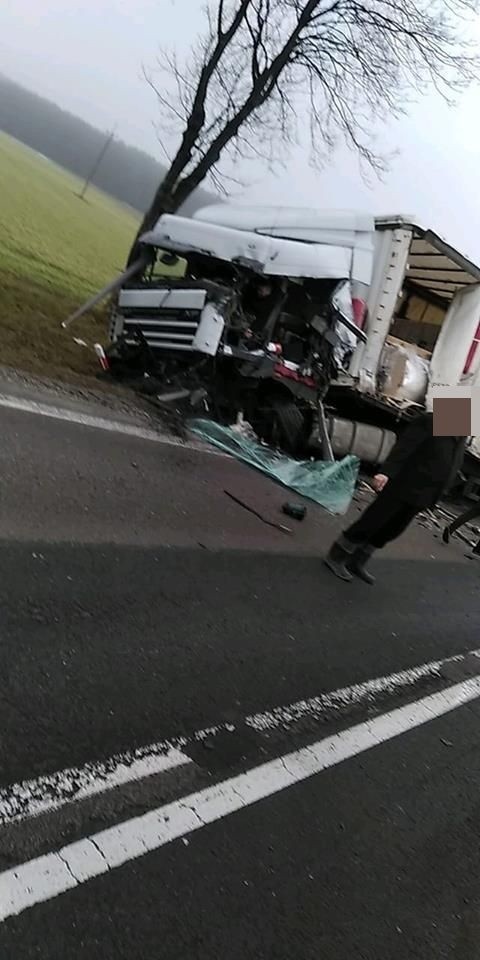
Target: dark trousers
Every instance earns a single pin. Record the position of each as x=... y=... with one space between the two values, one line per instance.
x=384 y=520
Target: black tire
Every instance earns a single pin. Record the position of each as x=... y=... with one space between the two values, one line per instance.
x=290 y=427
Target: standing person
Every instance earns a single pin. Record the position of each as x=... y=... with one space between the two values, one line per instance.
x=420 y=468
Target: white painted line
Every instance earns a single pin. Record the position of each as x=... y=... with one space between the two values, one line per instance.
x=50 y=792
x=352 y=695
x=102 y=423
x=83 y=419
x=48 y=876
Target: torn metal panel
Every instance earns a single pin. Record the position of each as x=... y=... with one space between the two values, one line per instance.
x=347 y=229
x=261 y=253
x=307 y=224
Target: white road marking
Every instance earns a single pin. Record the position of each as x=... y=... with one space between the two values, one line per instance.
x=50 y=792
x=48 y=876
x=82 y=419
x=352 y=695
x=101 y=423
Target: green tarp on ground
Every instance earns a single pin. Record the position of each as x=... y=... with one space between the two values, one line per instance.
x=329 y=484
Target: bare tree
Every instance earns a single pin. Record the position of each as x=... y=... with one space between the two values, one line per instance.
x=342 y=65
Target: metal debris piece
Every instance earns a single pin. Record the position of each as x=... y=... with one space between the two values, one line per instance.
x=269 y=523
x=295 y=510
x=173 y=395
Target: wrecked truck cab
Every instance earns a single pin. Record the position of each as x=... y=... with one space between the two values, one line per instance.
x=263 y=323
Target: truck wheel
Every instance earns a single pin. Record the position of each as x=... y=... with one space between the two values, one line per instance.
x=290 y=427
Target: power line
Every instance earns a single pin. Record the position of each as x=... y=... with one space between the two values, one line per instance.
x=90 y=176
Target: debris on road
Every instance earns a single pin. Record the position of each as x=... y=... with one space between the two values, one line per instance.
x=173 y=395
x=330 y=484
x=295 y=510
x=246 y=506
x=440 y=518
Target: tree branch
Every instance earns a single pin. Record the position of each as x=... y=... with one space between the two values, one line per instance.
x=353 y=62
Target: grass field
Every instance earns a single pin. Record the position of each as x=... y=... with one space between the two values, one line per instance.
x=55 y=250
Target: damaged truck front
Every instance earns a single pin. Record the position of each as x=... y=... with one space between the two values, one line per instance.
x=422 y=325
x=370 y=315
x=251 y=323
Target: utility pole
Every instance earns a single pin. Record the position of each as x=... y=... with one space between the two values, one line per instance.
x=97 y=163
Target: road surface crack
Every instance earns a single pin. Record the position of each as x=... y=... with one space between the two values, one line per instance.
x=99 y=850
x=65 y=861
x=240 y=796
x=187 y=806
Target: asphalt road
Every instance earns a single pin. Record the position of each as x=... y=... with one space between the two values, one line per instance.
x=140 y=604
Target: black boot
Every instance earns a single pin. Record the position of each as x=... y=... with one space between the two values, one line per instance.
x=338 y=557
x=357 y=564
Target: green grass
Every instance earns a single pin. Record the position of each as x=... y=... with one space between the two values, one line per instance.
x=55 y=251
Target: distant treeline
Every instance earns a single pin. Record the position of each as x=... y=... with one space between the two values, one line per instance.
x=126 y=173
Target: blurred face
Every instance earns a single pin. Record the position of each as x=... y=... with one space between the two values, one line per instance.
x=264 y=290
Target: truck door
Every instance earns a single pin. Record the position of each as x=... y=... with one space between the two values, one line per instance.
x=456 y=357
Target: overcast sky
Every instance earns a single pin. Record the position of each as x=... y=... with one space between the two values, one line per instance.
x=87 y=56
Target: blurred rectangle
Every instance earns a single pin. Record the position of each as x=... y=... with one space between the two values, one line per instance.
x=452 y=416
x=450 y=409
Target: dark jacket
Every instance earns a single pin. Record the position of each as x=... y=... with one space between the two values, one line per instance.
x=422 y=467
